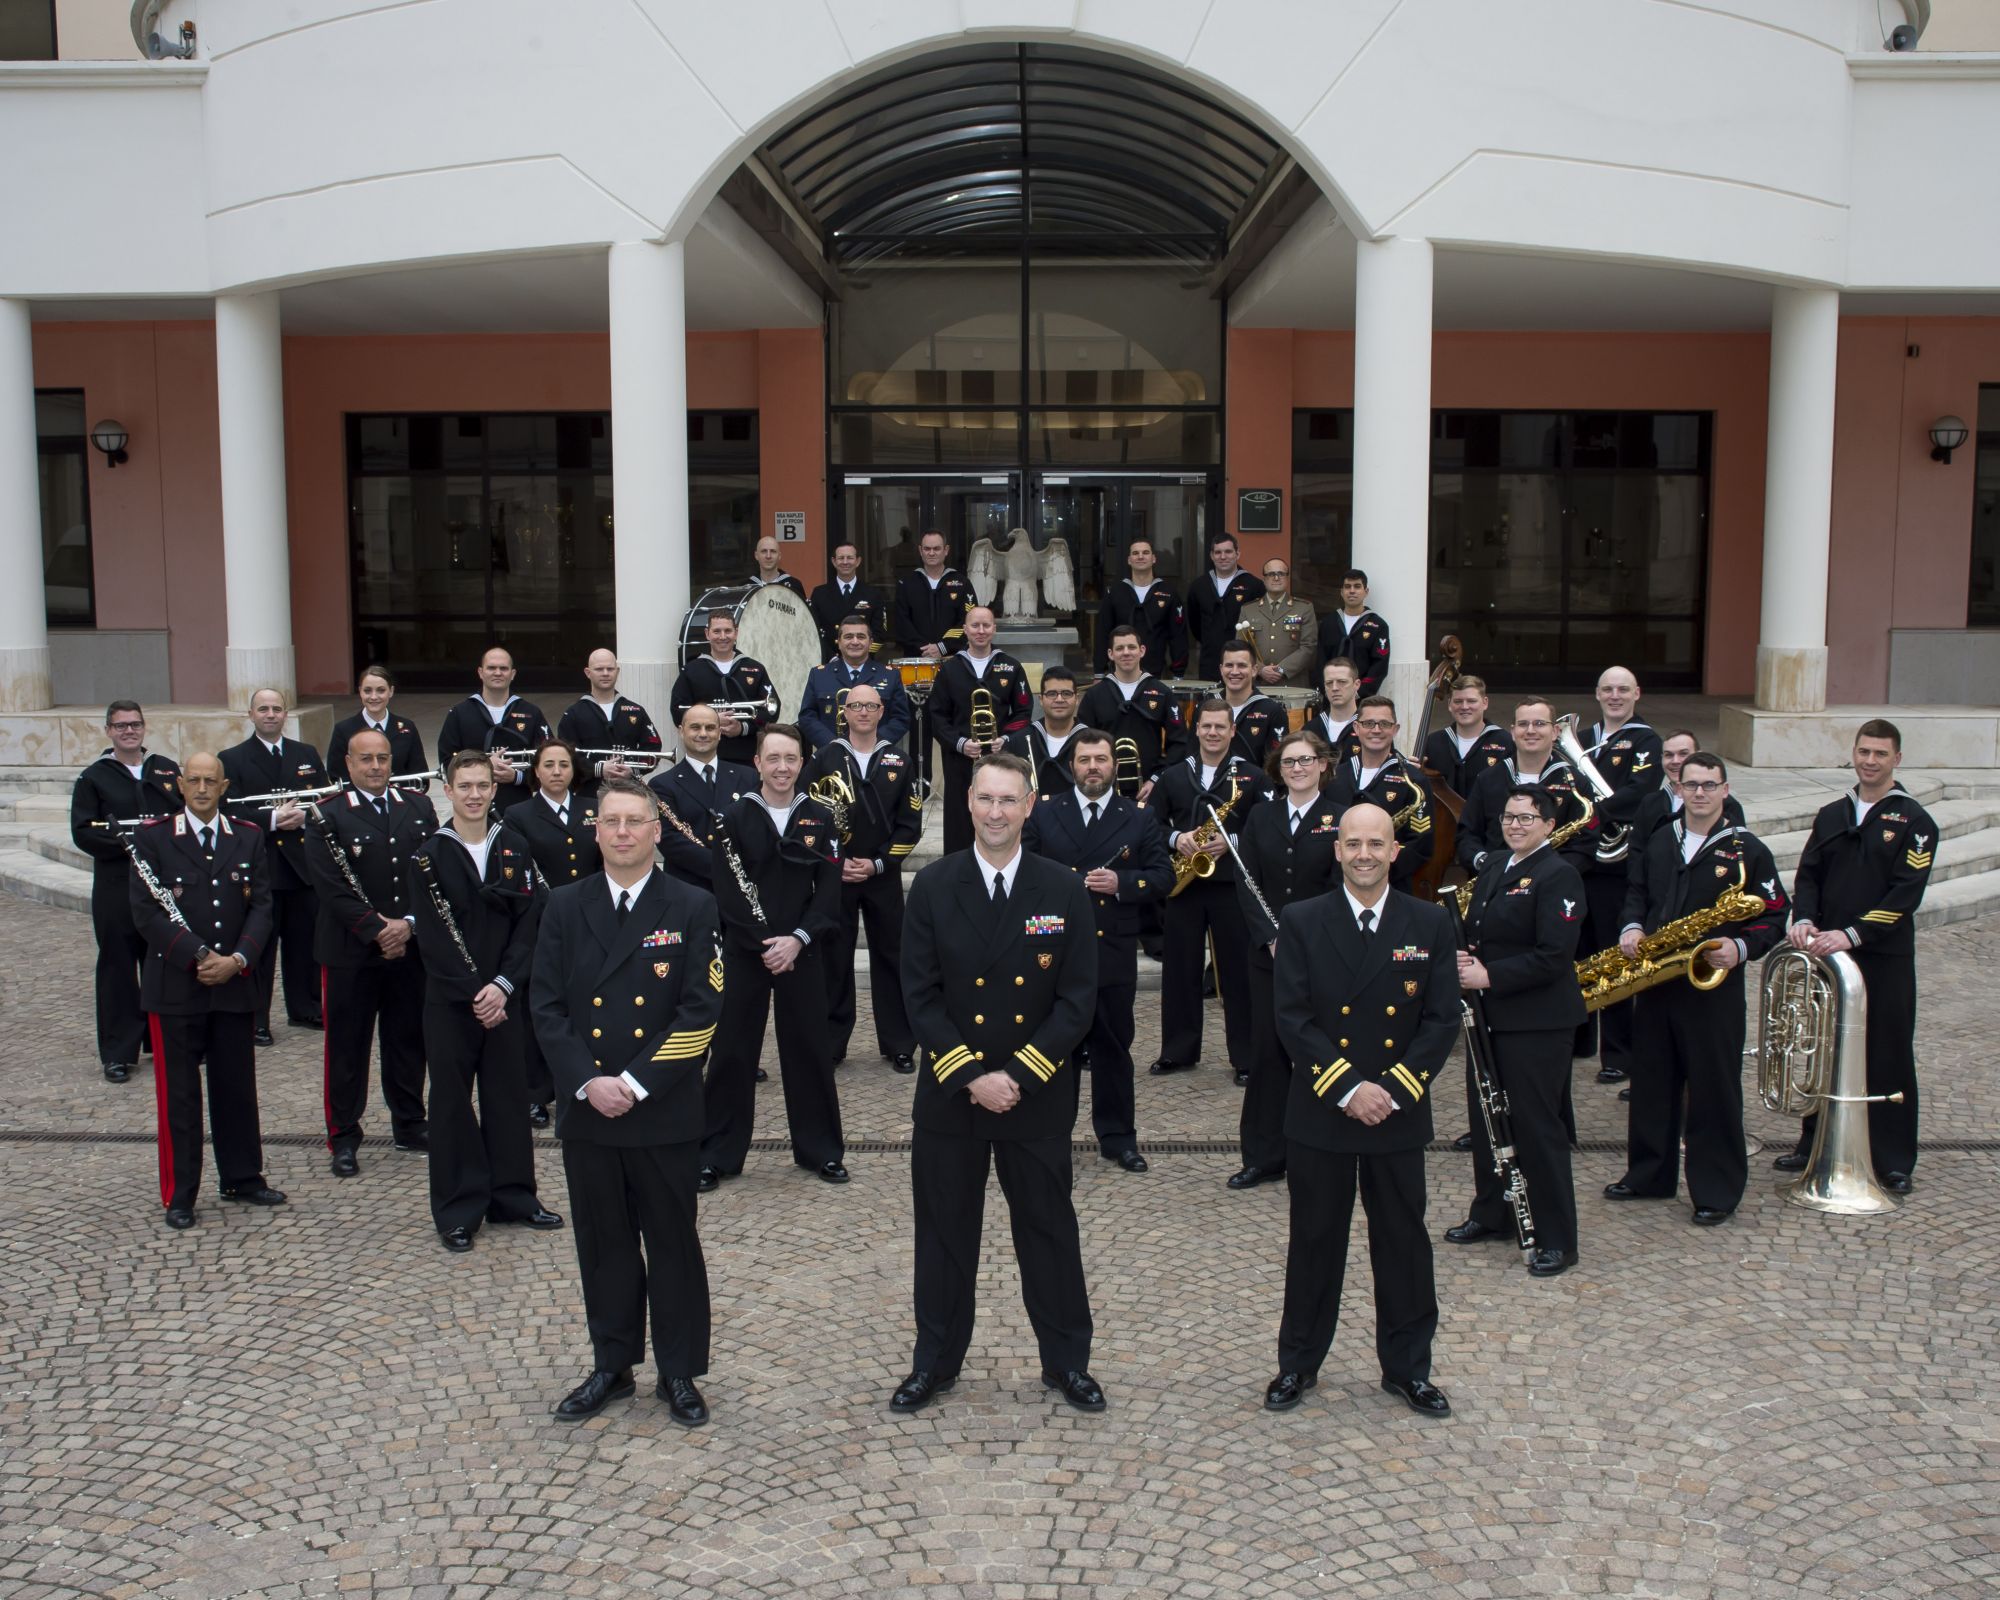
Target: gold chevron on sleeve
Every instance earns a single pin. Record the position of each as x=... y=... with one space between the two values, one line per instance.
x=916 y=801
x=1884 y=918
x=948 y=1063
x=1328 y=1076
x=715 y=974
x=1918 y=858
x=1408 y=1080
x=1037 y=1063
x=684 y=1046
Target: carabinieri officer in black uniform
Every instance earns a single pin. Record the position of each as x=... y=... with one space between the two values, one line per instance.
x=1117 y=848
x=1521 y=932
x=499 y=723
x=999 y=969
x=476 y=894
x=204 y=931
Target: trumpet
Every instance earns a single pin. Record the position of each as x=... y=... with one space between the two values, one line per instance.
x=985 y=725
x=1614 y=841
x=289 y=797
x=631 y=758
x=766 y=707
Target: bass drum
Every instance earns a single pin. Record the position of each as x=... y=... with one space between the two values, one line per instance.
x=773 y=626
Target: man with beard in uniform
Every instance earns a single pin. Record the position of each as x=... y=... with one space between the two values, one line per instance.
x=125 y=782
x=1133 y=705
x=1045 y=743
x=884 y=821
x=1361 y=958
x=1383 y=776
x=499 y=723
x=976 y=669
x=358 y=846
x=724 y=678
x=1215 y=602
x=1148 y=606
x=999 y=971
x=694 y=791
x=605 y=720
x=1116 y=847
x=1260 y=720
x=200 y=987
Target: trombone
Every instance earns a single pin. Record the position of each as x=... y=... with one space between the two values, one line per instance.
x=984 y=723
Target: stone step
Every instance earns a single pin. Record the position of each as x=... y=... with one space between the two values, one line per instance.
x=1960 y=822
x=30 y=875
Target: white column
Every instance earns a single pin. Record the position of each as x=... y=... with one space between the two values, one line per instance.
x=649 y=466
x=256 y=548
x=1798 y=500
x=24 y=626
x=1392 y=451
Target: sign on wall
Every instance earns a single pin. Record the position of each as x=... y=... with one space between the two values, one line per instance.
x=791 y=526
x=1260 y=510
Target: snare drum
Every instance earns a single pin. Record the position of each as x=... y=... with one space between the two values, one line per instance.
x=918 y=674
x=1298 y=704
x=1189 y=694
x=774 y=627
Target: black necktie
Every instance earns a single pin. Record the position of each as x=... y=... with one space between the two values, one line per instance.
x=562 y=815
x=1000 y=889
x=1367 y=926
x=1297 y=818
x=382 y=807
x=1093 y=815
x=208 y=842
x=708 y=781
x=624 y=903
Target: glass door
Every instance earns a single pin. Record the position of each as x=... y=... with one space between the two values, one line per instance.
x=887 y=516
x=1100 y=514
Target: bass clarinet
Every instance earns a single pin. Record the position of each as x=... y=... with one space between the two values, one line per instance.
x=1492 y=1095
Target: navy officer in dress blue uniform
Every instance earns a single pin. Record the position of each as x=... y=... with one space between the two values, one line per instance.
x=999 y=972
x=1361 y=959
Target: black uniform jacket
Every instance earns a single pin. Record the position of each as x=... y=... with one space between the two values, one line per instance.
x=1181 y=803
x=378 y=852
x=1630 y=761
x=495 y=914
x=251 y=769
x=521 y=727
x=784 y=580
x=828 y=683
x=1459 y=773
x=830 y=608
x=104 y=792
x=1124 y=838
x=1867 y=879
x=931 y=616
x=586 y=726
x=1393 y=788
x=1662 y=888
x=1366 y=645
x=1350 y=1011
x=1050 y=770
x=1160 y=619
x=1524 y=923
x=1479 y=831
x=950 y=705
x=703 y=683
x=681 y=791
x=797 y=877
x=1662 y=806
x=563 y=853
x=1345 y=744
x=1288 y=867
x=998 y=989
x=406 y=745
x=1151 y=719
x=226 y=905
x=1212 y=618
x=887 y=817
x=1259 y=727
x=640 y=997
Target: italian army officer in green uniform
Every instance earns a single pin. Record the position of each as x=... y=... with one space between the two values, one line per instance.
x=1000 y=977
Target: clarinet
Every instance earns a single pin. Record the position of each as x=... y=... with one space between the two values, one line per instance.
x=1493 y=1111
x=743 y=883
x=325 y=831
x=442 y=907
x=154 y=887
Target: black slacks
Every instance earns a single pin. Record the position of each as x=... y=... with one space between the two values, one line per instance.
x=632 y=1211
x=948 y=1181
x=293 y=913
x=481 y=1166
x=877 y=906
x=805 y=1064
x=1534 y=1070
x=1690 y=1050
x=1892 y=1062
x=957 y=791
x=182 y=1047
x=385 y=998
x=1604 y=893
x=1113 y=1104
x=1205 y=914
x=535 y=1073
x=1322 y=1184
x=1260 y=1128
x=121 y=952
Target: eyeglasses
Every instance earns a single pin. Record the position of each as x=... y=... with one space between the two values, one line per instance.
x=1542 y=724
x=1276 y=572
x=1296 y=762
x=1375 y=725
x=125 y=727
x=1519 y=819
x=1702 y=785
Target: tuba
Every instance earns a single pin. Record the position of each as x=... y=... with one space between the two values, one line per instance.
x=1613 y=841
x=1677 y=950
x=1812 y=1057
x=985 y=725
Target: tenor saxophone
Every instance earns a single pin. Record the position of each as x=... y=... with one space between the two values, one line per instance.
x=1678 y=950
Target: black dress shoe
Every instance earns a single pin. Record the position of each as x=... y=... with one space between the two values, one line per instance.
x=763 y=1076
x=684 y=1402
x=1250 y=1177
x=1427 y=1399
x=1130 y=1160
x=903 y=1064
x=1551 y=1263
x=1078 y=1388
x=918 y=1390
x=257 y=1193
x=1462 y=1142
x=708 y=1181
x=345 y=1164
x=1710 y=1216
x=1470 y=1232
x=318 y=1024
x=538 y=1116
x=541 y=1219
x=412 y=1141
x=1897 y=1182
x=1163 y=1066
x=180 y=1216
x=118 y=1071
x=1625 y=1095
x=1621 y=1190
x=593 y=1394
x=1242 y=1080
x=1612 y=1074
x=1288 y=1389
x=1791 y=1161
x=262 y=1037
x=832 y=1172
x=458 y=1240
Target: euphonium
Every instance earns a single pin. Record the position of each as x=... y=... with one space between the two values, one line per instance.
x=985 y=725
x=1131 y=772
x=1614 y=841
x=1677 y=950
x=833 y=791
x=1201 y=864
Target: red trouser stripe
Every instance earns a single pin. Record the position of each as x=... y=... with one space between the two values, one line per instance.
x=326 y=1058
x=166 y=1137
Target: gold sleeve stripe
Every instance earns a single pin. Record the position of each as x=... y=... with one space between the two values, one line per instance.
x=1035 y=1062
x=1885 y=918
x=1408 y=1080
x=1329 y=1076
x=683 y=1046
x=948 y=1063
x=901 y=849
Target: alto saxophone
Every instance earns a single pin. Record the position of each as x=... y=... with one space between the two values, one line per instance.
x=1189 y=868
x=1561 y=837
x=1677 y=950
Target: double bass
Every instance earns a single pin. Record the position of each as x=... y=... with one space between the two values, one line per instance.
x=1429 y=882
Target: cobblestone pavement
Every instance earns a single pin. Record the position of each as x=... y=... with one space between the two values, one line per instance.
x=318 y=1401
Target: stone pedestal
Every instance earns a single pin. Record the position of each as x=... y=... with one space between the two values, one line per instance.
x=1933 y=736
x=1035 y=642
